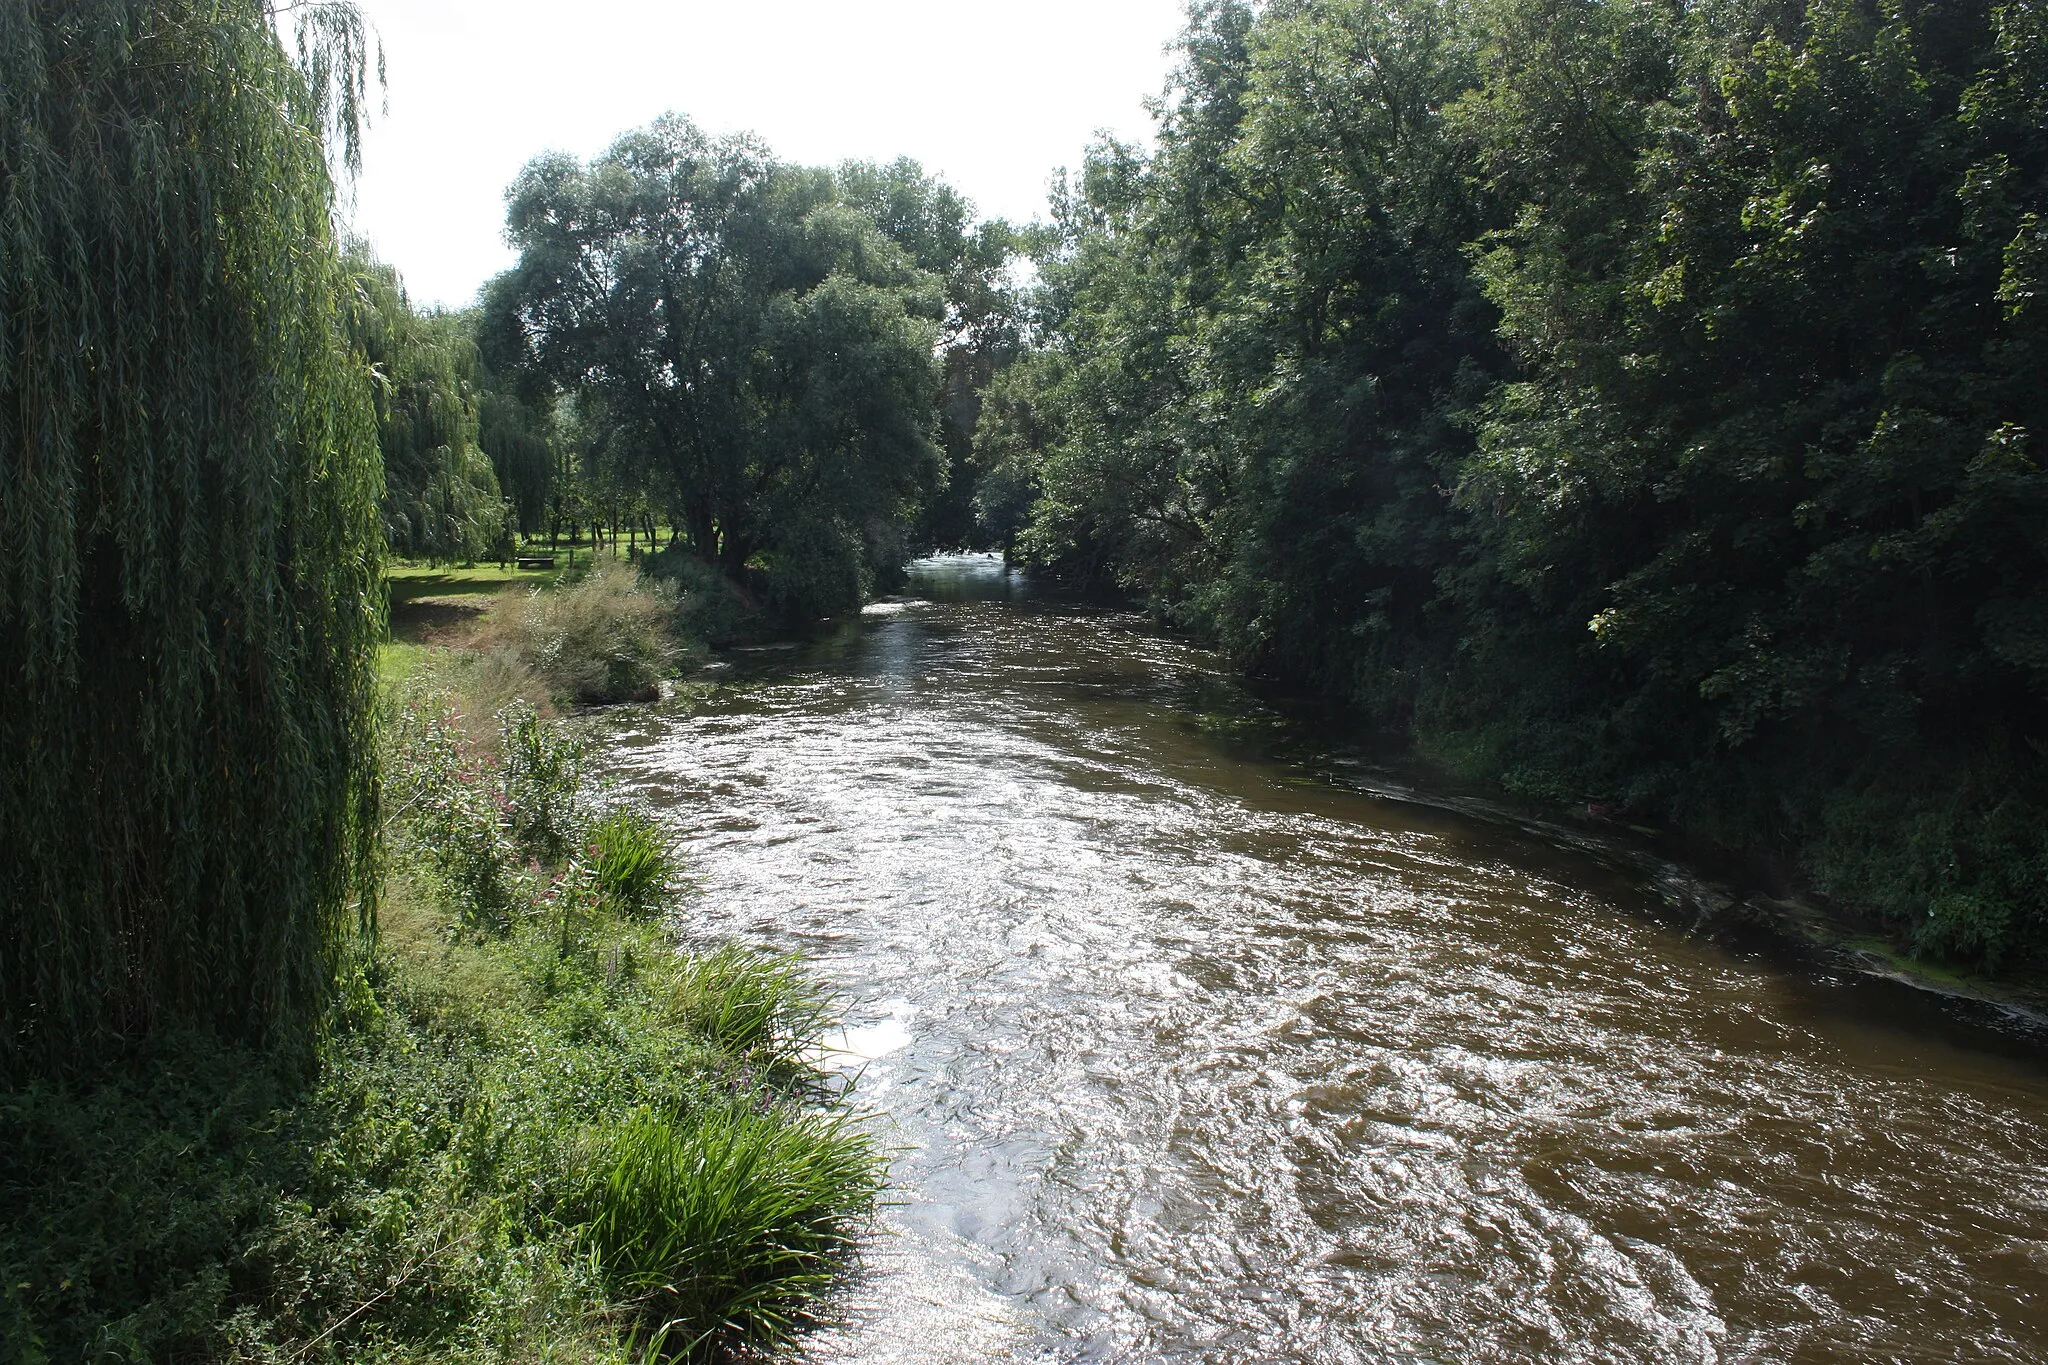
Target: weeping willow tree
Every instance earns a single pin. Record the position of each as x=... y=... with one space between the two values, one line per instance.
x=441 y=498
x=188 y=526
x=519 y=437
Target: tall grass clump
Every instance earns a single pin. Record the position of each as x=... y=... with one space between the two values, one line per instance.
x=189 y=478
x=632 y=860
x=720 y=1234
x=606 y=637
x=762 y=1007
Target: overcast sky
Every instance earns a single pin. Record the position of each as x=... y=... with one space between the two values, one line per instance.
x=992 y=97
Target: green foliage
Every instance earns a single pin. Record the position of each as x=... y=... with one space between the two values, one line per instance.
x=721 y=1232
x=188 y=489
x=605 y=637
x=542 y=775
x=752 y=352
x=710 y=607
x=633 y=861
x=983 y=329
x=521 y=440
x=519 y=1143
x=449 y=810
x=498 y=1162
x=1637 y=402
x=441 y=499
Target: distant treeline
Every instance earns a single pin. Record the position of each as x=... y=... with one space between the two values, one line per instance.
x=772 y=367
x=1642 y=404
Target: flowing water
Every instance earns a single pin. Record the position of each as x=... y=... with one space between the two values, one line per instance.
x=1188 y=1051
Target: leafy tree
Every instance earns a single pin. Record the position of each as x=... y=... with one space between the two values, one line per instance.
x=1269 y=328
x=1767 y=452
x=518 y=436
x=756 y=349
x=188 y=490
x=1639 y=401
x=441 y=498
x=982 y=330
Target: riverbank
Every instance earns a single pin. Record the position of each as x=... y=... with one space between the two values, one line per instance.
x=1748 y=893
x=533 y=1129
x=1709 y=890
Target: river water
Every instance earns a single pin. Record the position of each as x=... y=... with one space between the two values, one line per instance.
x=1192 y=1048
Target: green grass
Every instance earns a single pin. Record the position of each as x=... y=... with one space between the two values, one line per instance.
x=397 y=662
x=511 y=1152
x=410 y=582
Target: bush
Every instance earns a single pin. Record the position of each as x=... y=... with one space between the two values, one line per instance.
x=549 y=1140
x=447 y=816
x=607 y=637
x=709 y=607
x=542 y=778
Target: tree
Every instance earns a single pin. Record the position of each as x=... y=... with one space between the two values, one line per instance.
x=1641 y=401
x=441 y=498
x=189 y=596
x=982 y=330
x=518 y=435
x=757 y=350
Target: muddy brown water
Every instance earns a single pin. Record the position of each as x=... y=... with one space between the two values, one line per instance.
x=1190 y=1052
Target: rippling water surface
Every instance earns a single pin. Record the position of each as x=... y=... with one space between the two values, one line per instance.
x=1189 y=1053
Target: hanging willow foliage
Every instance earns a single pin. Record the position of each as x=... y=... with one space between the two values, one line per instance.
x=188 y=534
x=441 y=498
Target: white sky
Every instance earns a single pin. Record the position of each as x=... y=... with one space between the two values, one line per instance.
x=993 y=98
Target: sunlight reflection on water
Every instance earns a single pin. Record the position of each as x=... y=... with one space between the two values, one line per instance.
x=1189 y=1054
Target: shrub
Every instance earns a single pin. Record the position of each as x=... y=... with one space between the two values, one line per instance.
x=606 y=637
x=446 y=816
x=722 y=1230
x=542 y=778
x=635 y=864
x=709 y=607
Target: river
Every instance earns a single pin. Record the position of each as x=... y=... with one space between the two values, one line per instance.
x=1189 y=1048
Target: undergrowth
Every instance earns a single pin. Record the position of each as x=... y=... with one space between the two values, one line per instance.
x=535 y=1131
x=608 y=636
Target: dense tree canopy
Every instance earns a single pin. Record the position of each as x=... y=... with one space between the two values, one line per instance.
x=441 y=498
x=749 y=343
x=188 y=492
x=1639 y=400
x=981 y=331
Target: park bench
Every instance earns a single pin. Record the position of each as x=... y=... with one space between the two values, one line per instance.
x=536 y=561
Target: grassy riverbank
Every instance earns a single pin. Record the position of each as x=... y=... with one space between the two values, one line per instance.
x=533 y=1130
